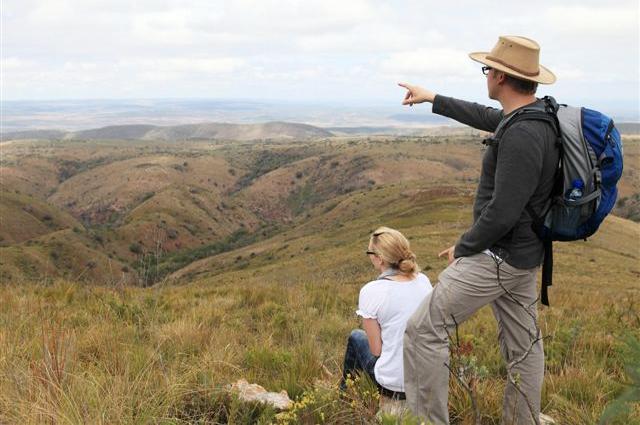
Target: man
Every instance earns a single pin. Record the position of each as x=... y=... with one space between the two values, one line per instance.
x=517 y=170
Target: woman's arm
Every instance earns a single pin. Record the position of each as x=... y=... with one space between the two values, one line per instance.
x=372 y=328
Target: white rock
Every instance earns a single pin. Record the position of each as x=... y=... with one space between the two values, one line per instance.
x=255 y=392
x=546 y=420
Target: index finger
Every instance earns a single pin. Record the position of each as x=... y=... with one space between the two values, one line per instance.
x=443 y=253
x=405 y=85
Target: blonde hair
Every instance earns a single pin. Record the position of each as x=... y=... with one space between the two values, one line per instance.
x=394 y=249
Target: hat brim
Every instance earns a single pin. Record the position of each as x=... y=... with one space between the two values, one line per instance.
x=544 y=77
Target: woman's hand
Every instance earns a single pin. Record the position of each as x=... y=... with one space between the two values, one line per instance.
x=416 y=94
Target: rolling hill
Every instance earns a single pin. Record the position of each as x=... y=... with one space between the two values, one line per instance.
x=148 y=209
x=204 y=131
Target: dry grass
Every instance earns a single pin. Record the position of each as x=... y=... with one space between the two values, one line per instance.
x=281 y=317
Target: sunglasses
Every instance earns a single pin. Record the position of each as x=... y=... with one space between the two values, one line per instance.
x=486 y=69
x=375 y=235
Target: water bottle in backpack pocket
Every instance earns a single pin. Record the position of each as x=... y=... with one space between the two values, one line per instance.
x=571 y=211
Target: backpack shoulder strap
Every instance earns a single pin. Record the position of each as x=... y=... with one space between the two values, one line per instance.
x=547 y=114
x=551 y=110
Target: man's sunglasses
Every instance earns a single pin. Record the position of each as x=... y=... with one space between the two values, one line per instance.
x=486 y=69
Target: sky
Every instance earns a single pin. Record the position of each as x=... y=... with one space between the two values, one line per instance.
x=334 y=51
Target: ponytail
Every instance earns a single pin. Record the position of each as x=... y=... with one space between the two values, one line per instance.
x=393 y=248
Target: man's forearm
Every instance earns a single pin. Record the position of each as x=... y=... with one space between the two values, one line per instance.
x=472 y=114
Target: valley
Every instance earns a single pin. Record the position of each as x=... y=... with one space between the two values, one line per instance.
x=105 y=210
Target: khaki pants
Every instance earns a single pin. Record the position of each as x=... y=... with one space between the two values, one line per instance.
x=466 y=285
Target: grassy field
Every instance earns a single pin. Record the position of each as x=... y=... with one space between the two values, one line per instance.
x=278 y=312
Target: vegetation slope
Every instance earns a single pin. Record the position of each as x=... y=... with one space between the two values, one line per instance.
x=278 y=312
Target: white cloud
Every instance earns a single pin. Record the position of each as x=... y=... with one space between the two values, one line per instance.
x=571 y=74
x=313 y=48
x=165 y=27
x=185 y=65
x=434 y=62
x=587 y=21
x=11 y=64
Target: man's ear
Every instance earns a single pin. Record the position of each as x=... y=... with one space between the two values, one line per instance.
x=501 y=77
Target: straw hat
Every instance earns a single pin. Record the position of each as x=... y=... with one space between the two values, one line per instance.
x=516 y=56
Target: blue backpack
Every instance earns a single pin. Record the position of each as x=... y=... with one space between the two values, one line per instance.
x=585 y=190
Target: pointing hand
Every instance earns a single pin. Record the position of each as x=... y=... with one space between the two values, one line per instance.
x=416 y=94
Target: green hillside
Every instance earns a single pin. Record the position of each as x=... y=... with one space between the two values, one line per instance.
x=24 y=217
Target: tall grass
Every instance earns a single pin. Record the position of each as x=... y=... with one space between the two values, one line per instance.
x=144 y=355
x=77 y=353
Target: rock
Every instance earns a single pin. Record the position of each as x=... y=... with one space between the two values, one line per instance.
x=546 y=420
x=255 y=392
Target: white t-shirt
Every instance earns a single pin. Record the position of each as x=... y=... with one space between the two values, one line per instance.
x=392 y=303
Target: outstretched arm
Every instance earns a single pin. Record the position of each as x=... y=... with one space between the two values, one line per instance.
x=472 y=114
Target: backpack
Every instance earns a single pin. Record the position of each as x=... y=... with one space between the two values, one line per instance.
x=590 y=161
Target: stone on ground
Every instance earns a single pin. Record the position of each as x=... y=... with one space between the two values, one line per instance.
x=255 y=392
x=546 y=420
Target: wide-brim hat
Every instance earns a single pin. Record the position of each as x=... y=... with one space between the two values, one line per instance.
x=518 y=57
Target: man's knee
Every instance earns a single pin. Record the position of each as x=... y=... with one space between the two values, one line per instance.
x=421 y=322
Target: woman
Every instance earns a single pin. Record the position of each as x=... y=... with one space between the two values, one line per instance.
x=385 y=305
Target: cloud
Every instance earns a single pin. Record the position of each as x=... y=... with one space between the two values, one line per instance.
x=312 y=48
x=13 y=64
x=566 y=73
x=435 y=62
x=605 y=21
x=185 y=65
x=172 y=27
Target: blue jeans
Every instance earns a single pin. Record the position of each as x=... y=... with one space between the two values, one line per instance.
x=358 y=357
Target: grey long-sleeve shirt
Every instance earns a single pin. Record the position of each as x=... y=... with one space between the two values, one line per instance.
x=519 y=170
